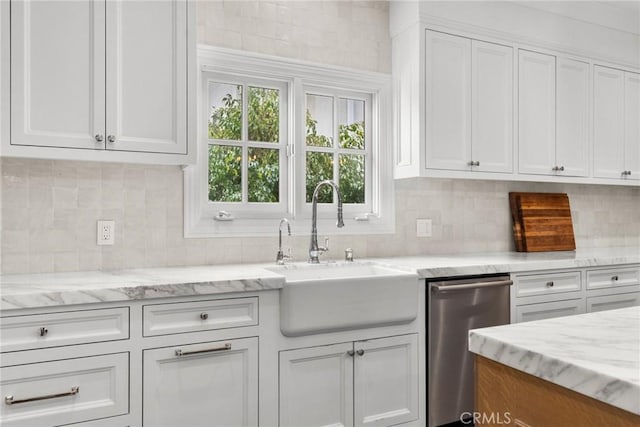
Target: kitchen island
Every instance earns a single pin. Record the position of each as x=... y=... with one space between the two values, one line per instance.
x=578 y=370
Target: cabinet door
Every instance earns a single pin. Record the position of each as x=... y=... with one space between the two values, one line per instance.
x=572 y=117
x=536 y=112
x=608 y=122
x=548 y=310
x=57 y=73
x=632 y=124
x=612 y=302
x=208 y=384
x=146 y=75
x=448 y=101
x=492 y=107
x=386 y=381
x=316 y=386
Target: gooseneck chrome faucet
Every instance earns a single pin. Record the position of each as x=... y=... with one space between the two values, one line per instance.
x=314 y=250
x=281 y=256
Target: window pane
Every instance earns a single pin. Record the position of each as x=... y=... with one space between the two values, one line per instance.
x=319 y=121
x=352 y=178
x=225 y=117
x=351 y=123
x=264 y=114
x=225 y=173
x=264 y=175
x=319 y=168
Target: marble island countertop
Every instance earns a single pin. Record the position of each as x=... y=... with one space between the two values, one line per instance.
x=50 y=289
x=595 y=354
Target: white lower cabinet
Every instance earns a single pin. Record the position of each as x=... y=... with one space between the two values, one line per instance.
x=65 y=391
x=361 y=383
x=543 y=295
x=547 y=310
x=612 y=302
x=208 y=384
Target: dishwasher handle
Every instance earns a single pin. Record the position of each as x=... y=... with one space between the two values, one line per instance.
x=466 y=286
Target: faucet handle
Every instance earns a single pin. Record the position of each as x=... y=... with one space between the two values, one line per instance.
x=326 y=244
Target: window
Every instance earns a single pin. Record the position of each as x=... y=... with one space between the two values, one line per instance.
x=270 y=129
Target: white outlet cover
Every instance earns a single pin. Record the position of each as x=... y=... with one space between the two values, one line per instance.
x=423 y=228
x=105 y=232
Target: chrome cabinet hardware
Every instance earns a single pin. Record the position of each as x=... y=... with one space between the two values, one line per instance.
x=204 y=316
x=9 y=400
x=360 y=352
x=223 y=347
x=43 y=331
x=558 y=168
x=473 y=163
x=99 y=137
x=351 y=353
x=549 y=284
x=614 y=278
x=626 y=173
x=111 y=138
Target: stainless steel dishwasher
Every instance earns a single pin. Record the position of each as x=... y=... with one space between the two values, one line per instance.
x=455 y=306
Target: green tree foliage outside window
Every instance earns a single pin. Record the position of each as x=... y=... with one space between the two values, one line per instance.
x=225 y=123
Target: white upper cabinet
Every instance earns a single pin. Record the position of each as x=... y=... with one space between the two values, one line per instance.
x=57 y=72
x=553 y=136
x=146 y=76
x=536 y=112
x=103 y=77
x=469 y=104
x=572 y=118
x=608 y=122
x=632 y=125
x=492 y=107
x=448 y=101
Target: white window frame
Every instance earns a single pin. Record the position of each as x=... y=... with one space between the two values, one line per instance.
x=377 y=215
x=246 y=209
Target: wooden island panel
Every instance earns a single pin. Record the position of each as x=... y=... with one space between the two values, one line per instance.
x=533 y=402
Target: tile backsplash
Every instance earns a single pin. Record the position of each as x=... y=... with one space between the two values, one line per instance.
x=50 y=209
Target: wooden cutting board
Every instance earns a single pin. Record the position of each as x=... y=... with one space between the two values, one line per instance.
x=542 y=222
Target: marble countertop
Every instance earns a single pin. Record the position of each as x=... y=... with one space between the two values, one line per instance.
x=42 y=290
x=511 y=262
x=595 y=354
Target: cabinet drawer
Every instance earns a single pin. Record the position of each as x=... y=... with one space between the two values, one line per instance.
x=57 y=329
x=612 y=302
x=548 y=310
x=176 y=318
x=612 y=277
x=65 y=391
x=549 y=283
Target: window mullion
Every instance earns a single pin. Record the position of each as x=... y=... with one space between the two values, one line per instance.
x=336 y=146
x=245 y=139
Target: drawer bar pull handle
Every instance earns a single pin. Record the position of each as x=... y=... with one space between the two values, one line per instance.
x=204 y=316
x=223 y=347
x=43 y=331
x=550 y=284
x=9 y=400
x=614 y=278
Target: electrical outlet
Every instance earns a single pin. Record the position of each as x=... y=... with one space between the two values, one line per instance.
x=106 y=232
x=423 y=228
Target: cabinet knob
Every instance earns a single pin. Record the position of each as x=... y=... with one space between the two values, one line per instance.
x=549 y=284
x=204 y=316
x=43 y=332
x=350 y=353
x=99 y=137
x=558 y=168
x=360 y=352
x=473 y=163
x=111 y=138
x=614 y=278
